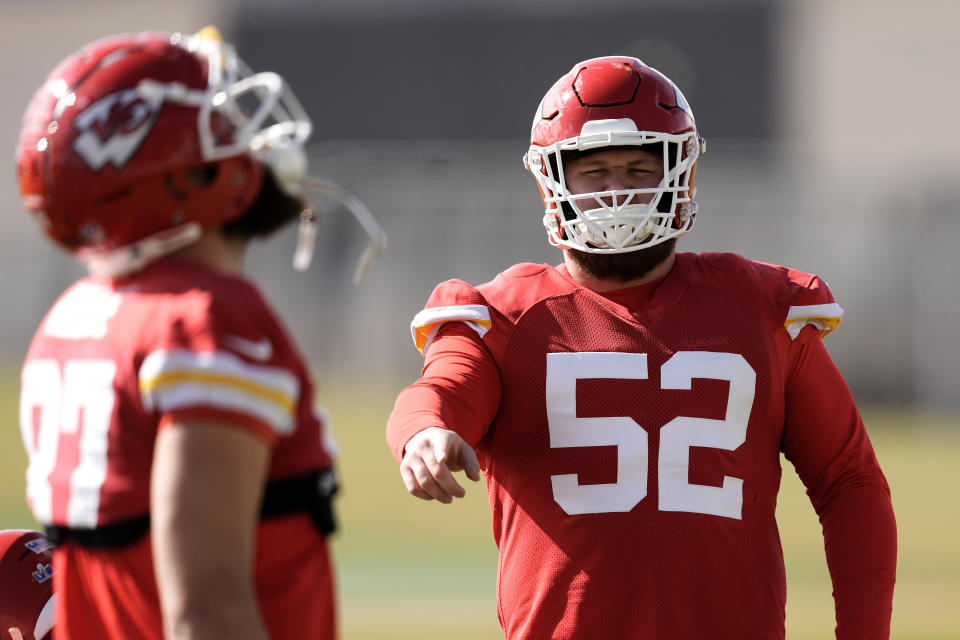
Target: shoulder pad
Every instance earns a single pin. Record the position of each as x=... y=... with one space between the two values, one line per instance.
x=451 y=301
x=793 y=297
x=525 y=270
x=728 y=262
x=809 y=301
x=825 y=317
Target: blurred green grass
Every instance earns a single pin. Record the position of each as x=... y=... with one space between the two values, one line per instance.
x=410 y=569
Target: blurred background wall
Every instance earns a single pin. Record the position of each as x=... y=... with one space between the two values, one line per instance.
x=831 y=148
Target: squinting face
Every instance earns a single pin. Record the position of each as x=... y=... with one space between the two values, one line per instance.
x=613 y=170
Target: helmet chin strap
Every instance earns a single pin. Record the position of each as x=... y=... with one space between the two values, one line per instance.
x=306 y=240
x=306 y=237
x=133 y=257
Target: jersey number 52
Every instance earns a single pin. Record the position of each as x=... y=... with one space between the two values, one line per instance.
x=676 y=493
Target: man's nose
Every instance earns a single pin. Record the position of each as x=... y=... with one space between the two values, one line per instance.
x=621 y=181
x=617 y=181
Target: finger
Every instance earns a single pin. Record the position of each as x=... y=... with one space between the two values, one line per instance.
x=442 y=475
x=440 y=448
x=469 y=462
x=410 y=481
x=445 y=479
x=465 y=459
x=427 y=482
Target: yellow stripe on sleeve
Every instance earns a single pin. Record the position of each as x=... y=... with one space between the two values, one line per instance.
x=175 y=378
x=426 y=323
x=178 y=378
x=825 y=317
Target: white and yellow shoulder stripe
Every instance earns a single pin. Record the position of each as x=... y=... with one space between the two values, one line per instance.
x=426 y=323
x=825 y=317
x=172 y=379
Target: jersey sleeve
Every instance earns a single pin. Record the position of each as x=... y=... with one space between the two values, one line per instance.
x=459 y=388
x=810 y=302
x=451 y=301
x=825 y=440
x=211 y=361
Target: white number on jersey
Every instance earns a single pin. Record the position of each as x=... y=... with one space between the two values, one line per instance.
x=676 y=437
x=78 y=398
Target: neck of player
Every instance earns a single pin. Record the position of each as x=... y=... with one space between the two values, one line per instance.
x=215 y=250
x=590 y=281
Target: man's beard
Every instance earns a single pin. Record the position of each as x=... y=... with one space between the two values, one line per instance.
x=623 y=267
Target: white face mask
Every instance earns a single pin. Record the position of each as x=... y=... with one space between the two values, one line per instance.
x=620 y=220
x=265 y=120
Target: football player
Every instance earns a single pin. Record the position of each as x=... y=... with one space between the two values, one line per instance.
x=26 y=586
x=176 y=458
x=629 y=406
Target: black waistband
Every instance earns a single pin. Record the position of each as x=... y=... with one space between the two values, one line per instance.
x=312 y=493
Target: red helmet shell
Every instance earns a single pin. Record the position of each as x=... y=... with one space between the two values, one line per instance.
x=26 y=589
x=103 y=163
x=609 y=88
x=607 y=102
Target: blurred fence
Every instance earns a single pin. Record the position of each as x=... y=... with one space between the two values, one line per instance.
x=863 y=194
x=467 y=209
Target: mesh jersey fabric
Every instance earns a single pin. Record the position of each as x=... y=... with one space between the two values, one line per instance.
x=668 y=560
x=123 y=358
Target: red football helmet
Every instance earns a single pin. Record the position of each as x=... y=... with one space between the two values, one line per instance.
x=614 y=102
x=137 y=142
x=26 y=589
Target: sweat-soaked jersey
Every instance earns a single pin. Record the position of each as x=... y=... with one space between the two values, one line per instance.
x=115 y=361
x=631 y=447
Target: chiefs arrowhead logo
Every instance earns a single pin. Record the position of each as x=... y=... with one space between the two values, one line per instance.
x=113 y=127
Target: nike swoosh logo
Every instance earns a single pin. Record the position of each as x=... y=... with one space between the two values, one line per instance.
x=254 y=349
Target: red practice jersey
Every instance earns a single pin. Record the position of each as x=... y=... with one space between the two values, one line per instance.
x=114 y=362
x=631 y=445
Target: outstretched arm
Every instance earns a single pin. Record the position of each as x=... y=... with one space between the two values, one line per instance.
x=429 y=460
x=437 y=420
